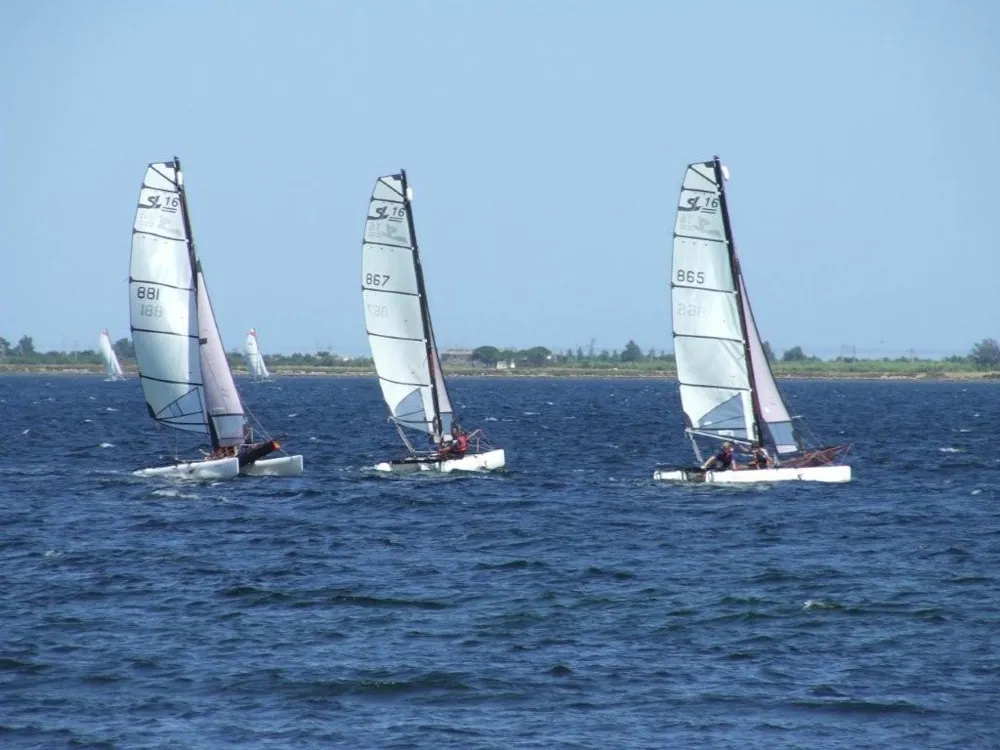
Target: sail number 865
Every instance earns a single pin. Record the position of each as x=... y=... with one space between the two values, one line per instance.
x=690 y=277
x=376 y=279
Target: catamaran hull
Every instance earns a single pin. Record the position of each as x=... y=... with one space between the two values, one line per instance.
x=488 y=461
x=831 y=474
x=223 y=468
x=285 y=466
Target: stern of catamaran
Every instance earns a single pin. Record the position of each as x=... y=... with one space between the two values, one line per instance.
x=826 y=456
x=249 y=453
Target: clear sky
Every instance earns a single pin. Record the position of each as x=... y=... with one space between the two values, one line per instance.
x=545 y=141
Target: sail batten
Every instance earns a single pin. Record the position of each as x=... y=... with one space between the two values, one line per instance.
x=727 y=388
x=397 y=318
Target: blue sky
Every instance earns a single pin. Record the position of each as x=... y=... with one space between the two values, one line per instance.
x=545 y=142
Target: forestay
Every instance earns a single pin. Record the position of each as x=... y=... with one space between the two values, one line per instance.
x=713 y=327
x=397 y=318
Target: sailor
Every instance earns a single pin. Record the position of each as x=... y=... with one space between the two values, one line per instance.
x=722 y=460
x=223 y=451
x=759 y=459
x=459 y=442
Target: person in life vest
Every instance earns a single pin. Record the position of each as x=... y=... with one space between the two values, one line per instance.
x=459 y=443
x=722 y=460
x=759 y=459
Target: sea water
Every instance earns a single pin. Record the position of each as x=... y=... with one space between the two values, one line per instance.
x=569 y=602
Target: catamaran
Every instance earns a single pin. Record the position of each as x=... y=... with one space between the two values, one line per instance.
x=398 y=322
x=255 y=360
x=728 y=392
x=182 y=365
x=111 y=365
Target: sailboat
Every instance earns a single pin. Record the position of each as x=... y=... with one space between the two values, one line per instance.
x=728 y=392
x=398 y=323
x=185 y=377
x=255 y=360
x=111 y=365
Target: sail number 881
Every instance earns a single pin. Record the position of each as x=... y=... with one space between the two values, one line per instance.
x=690 y=277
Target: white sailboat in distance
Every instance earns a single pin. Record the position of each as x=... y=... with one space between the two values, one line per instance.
x=185 y=377
x=728 y=392
x=398 y=323
x=112 y=366
x=254 y=359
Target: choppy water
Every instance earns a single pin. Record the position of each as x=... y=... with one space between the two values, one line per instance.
x=568 y=603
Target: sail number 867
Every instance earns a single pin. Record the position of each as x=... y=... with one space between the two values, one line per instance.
x=376 y=279
x=690 y=277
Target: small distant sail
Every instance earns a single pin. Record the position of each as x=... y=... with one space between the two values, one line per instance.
x=255 y=360
x=111 y=365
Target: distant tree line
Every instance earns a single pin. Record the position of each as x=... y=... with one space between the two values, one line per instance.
x=538 y=356
x=24 y=353
x=984 y=355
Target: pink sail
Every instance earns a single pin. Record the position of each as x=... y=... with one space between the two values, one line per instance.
x=223 y=402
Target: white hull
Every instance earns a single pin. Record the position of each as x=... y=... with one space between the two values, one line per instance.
x=285 y=466
x=470 y=462
x=832 y=474
x=223 y=468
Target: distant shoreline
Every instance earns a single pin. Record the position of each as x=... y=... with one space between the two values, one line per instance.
x=555 y=373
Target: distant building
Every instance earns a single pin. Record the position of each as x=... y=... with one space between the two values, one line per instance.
x=457 y=356
x=506 y=365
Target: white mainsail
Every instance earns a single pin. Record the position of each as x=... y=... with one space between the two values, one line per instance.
x=111 y=365
x=254 y=359
x=397 y=317
x=182 y=366
x=726 y=385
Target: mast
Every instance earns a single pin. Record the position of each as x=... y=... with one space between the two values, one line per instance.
x=425 y=313
x=734 y=266
x=195 y=267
